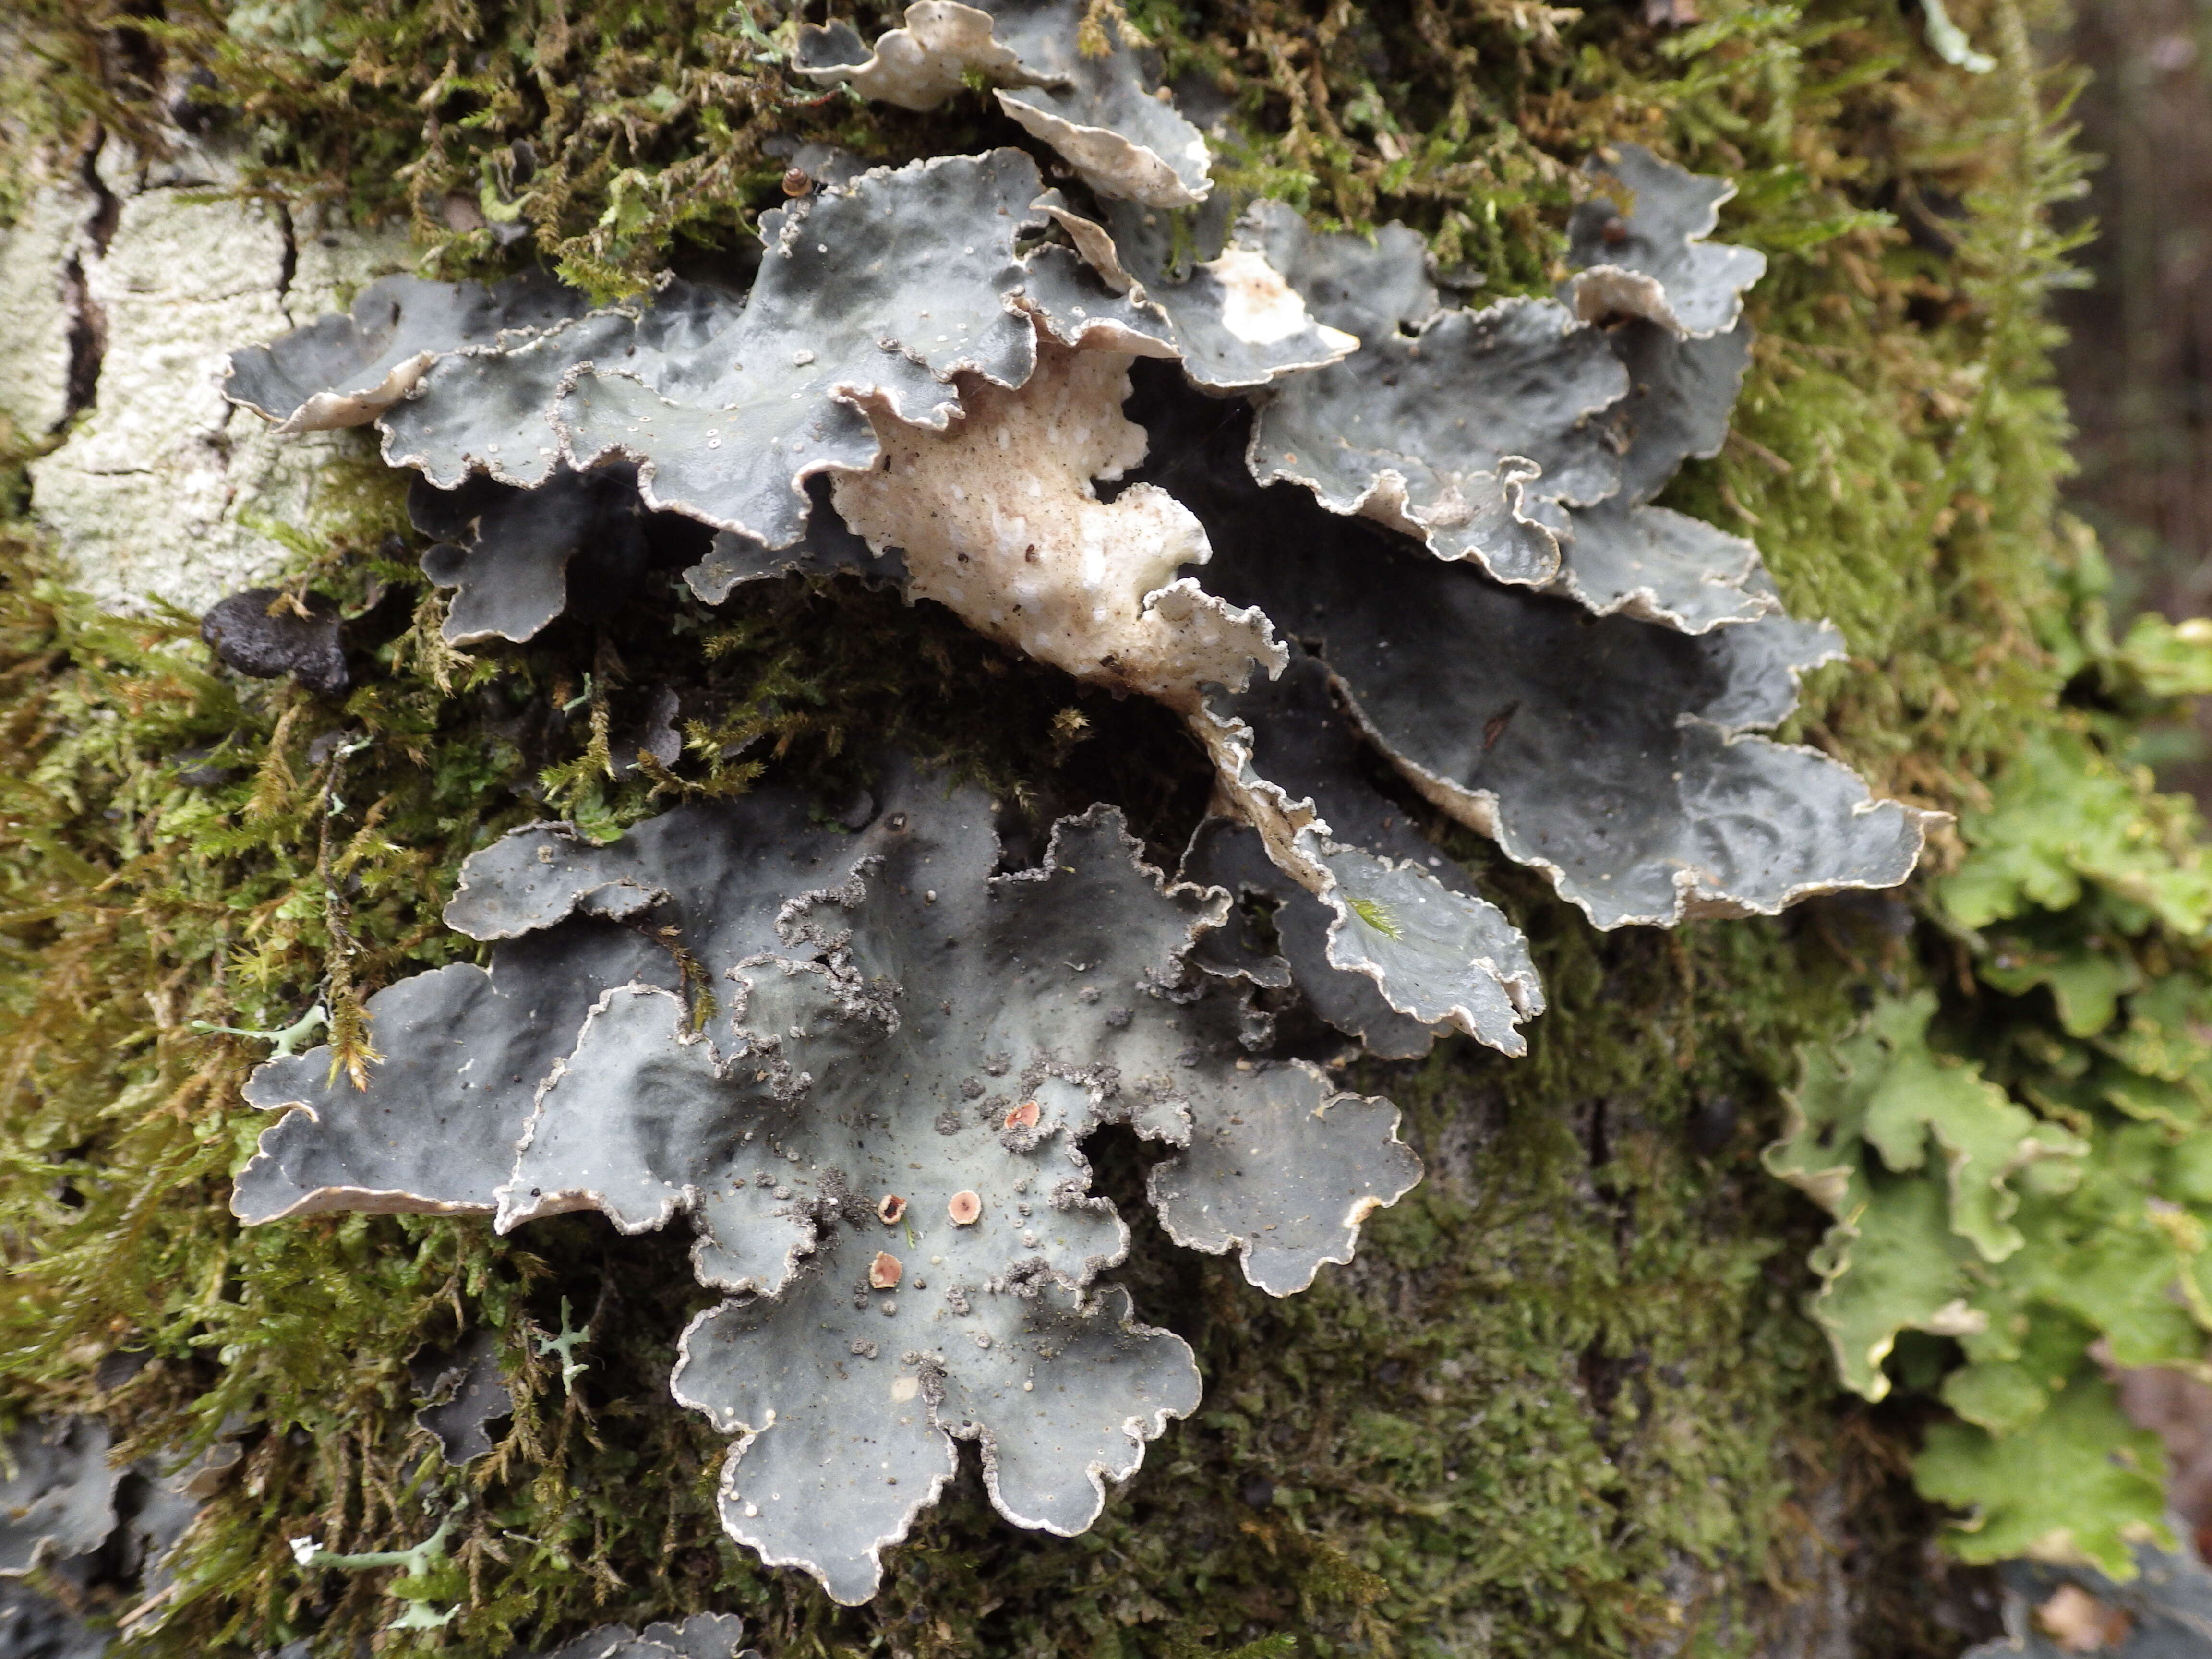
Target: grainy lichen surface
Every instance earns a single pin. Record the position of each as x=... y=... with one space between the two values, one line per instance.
x=1567 y=1403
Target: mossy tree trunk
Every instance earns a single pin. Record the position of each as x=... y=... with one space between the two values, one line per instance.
x=1566 y=1402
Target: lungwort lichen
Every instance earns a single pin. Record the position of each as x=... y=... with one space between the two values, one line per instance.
x=861 y=1057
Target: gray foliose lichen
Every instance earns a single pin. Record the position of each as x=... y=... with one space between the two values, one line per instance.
x=874 y=1127
x=1347 y=529
x=2051 y=1609
x=90 y=1552
x=703 y=1635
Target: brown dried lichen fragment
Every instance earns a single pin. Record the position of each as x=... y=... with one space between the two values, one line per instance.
x=998 y=521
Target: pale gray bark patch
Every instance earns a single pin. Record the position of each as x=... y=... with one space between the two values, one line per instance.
x=43 y=303
x=148 y=496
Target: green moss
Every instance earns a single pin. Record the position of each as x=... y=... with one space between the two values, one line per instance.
x=1564 y=1404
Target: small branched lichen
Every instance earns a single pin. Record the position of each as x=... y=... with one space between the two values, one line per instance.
x=565 y=1342
x=282 y=1044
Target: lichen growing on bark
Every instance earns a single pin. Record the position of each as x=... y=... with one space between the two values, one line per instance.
x=1505 y=1429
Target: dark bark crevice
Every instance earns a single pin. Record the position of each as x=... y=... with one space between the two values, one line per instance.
x=88 y=324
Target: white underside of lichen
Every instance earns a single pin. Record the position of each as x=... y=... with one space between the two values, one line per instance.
x=1093 y=241
x=1110 y=162
x=1240 y=792
x=334 y=411
x=1000 y=523
x=1607 y=291
x=921 y=65
x=164 y=492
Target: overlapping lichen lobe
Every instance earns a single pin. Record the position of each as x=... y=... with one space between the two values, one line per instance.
x=1000 y=521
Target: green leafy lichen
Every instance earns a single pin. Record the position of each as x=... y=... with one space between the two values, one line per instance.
x=2076 y=1013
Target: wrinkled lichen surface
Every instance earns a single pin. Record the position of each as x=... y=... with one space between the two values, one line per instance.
x=1500 y=1428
